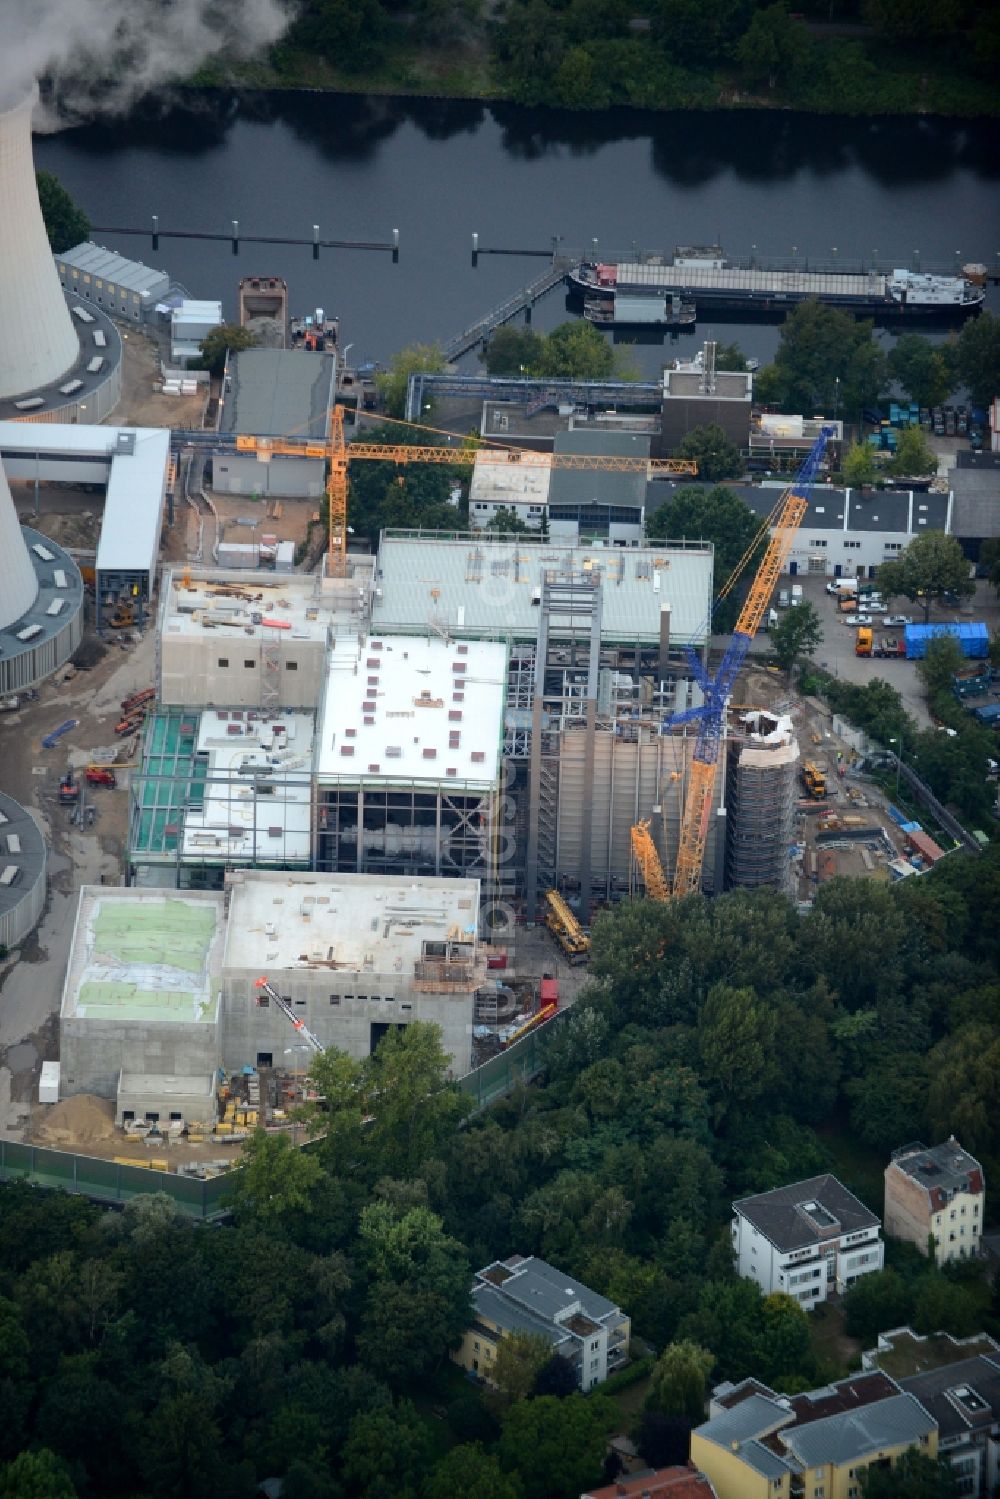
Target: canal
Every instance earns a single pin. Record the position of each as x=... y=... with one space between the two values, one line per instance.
x=917 y=191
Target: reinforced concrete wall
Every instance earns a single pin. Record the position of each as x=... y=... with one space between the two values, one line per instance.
x=347 y=1010
x=211 y=670
x=630 y=779
x=95 y=1052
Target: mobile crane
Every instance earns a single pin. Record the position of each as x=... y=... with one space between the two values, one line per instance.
x=565 y=928
x=648 y=862
x=267 y=993
x=339 y=454
x=784 y=521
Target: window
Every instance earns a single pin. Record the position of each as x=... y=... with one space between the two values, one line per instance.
x=593 y=1364
x=291 y=666
x=223 y=660
x=476 y=1347
x=152 y=1118
x=852 y=546
x=406 y=1005
x=264 y=1059
x=335 y=999
x=362 y=997
x=249 y=665
x=176 y=1115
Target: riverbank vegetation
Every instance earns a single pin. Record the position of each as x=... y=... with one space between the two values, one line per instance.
x=851 y=57
x=721 y=1048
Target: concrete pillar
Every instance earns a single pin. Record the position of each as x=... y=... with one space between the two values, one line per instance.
x=664 y=657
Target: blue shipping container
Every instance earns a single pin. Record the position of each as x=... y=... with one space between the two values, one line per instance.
x=973 y=639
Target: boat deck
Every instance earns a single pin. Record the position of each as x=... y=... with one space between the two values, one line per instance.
x=752 y=282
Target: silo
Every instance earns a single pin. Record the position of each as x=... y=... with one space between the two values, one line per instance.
x=38 y=342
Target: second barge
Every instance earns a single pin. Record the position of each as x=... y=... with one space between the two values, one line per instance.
x=705 y=279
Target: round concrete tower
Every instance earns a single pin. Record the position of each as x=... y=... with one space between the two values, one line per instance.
x=38 y=342
x=18 y=583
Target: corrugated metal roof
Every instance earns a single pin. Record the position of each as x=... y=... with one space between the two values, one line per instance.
x=490 y=588
x=899 y=1420
x=94 y=260
x=279 y=393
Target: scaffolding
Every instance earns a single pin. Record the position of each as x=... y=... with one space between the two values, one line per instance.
x=761 y=794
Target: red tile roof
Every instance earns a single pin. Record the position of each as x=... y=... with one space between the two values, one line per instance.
x=659 y=1483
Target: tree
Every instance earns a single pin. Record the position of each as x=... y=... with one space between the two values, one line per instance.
x=827 y=360
x=36 y=1475
x=858 y=466
x=414 y=360
x=989 y=559
x=679 y=1381
x=933 y=564
x=519 y=1360
x=944 y=658
x=512 y=351
x=385 y=1452
x=914 y=1476
x=505 y=521
x=736 y=1042
x=716 y=456
x=224 y=339
x=663 y=1441
x=730 y=356
x=964 y=1094
x=797 y=635
x=556 y=1377
x=556 y=1447
x=721 y=517
x=274 y=1179
x=773 y=48
x=926 y=371
x=786 y=1343
x=472 y=1473
x=978 y=357
x=914 y=457
x=874 y=1303
x=575 y=351
x=65 y=224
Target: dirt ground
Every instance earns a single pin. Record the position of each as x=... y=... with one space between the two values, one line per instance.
x=140 y=404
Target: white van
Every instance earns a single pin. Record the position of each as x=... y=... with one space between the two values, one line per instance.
x=796 y=595
x=783 y=598
x=772 y=619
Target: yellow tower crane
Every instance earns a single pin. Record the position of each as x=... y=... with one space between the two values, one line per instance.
x=648 y=862
x=339 y=453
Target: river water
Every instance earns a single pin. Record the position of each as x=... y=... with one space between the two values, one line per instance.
x=918 y=192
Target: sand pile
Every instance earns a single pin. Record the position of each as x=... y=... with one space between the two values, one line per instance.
x=81 y=1120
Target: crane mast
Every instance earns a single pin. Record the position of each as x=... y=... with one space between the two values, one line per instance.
x=267 y=992
x=710 y=716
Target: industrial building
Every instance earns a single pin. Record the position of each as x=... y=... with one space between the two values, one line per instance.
x=408 y=755
x=761 y=796
x=124 y=288
x=697 y=394
x=141 y=993
x=356 y=956
x=41 y=601
x=190 y=323
x=22 y=872
x=232 y=639
x=275 y=393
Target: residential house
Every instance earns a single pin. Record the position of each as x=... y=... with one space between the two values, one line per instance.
x=957 y=1381
x=812 y=1240
x=936 y=1198
x=758 y=1444
x=657 y=1483
x=526 y=1295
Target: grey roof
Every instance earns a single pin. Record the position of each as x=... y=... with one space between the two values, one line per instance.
x=977 y=497
x=17 y=822
x=779 y=1214
x=95 y=260
x=941 y=1393
x=485 y=588
x=591 y=486
x=883 y=510
x=542 y=1289
x=753 y=1417
x=896 y=1421
x=763 y=1460
x=491 y=1304
x=946 y=1165
x=279 y=393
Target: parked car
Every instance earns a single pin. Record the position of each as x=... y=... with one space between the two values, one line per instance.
x=896 y=621
x=949 y=421
x=875 y=606
x=925 y=418
x=976 y=440
x=858 y=619
x=963 y=421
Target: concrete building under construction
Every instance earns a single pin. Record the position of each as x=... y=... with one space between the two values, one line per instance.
x=761 y=795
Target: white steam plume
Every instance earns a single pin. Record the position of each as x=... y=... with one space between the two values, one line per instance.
x=102 y=56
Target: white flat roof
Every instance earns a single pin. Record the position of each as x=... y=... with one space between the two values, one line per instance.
x=235 y=603
x=197 y=312
x=508 y=484
x=341 y=921
x=133 y=507
x=239 y=818
x=412 y=710
x=200 y=1085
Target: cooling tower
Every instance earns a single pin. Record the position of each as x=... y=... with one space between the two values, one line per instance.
x=38 y=342
x=18 y=585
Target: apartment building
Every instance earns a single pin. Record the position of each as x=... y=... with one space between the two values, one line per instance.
x=758 y=1444
x=811 y=1240
x=935 y=1197
x=527 y=1295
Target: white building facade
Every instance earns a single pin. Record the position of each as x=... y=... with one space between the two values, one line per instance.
x=811 y=1240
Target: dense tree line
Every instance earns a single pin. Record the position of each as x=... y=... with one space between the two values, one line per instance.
x=721 y=1048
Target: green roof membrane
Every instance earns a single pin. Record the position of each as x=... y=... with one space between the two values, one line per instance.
x=173 y=933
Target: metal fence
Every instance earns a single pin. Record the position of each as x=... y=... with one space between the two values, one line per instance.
x=518 y=1064
x=108 y=1181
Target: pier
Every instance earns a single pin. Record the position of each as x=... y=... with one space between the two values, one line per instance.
x=522 y=301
